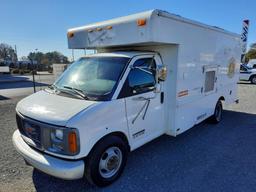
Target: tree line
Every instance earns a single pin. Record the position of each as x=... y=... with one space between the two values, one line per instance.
x=8 y=54
x=48 y=58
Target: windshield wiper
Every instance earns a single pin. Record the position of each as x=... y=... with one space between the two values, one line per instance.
x=78 y=92
x=53 y=87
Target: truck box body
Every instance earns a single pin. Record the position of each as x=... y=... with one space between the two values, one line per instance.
x=202 y=61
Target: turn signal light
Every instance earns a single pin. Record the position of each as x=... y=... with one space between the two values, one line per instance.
x=72 y=142
x=141 y=22
x=109 y=27
x=70 y=34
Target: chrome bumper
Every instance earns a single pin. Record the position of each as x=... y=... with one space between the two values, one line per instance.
x=51 y=165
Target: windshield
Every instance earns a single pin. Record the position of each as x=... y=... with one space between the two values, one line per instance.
x=246 y=67
x=96 y=77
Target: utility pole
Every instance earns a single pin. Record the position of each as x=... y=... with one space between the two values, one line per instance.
x=16 y=62
x=73 y=57
x=33 y=73
x=15 y=48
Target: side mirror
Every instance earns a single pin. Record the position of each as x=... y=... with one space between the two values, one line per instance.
x=162 y=73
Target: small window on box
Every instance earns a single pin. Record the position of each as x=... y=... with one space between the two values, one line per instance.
x=209 y=81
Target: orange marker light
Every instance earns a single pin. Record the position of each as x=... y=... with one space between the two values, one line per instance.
x=72 y=142
x=141 y=22
x=70 y=34
x=109 y=27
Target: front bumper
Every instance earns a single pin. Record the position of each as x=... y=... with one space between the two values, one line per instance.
x=56 y=167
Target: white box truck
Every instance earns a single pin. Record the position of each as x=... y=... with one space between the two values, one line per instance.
x=154 y=73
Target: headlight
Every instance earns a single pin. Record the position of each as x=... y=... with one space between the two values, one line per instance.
x=63 y=141
x=59 y=134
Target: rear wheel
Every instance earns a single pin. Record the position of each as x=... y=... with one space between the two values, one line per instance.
x=106 y=162
x=253 y=79
x=217 y=116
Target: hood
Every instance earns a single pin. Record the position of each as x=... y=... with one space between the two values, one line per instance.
x=51 y=108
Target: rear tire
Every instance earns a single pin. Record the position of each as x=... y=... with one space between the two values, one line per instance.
x=106 y=161
x=217 y=116
x=253 y=79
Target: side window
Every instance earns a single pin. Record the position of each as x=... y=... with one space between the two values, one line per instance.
x=140 y=81
x=141 y=78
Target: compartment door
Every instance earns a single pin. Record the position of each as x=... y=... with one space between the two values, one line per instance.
x=210 y=82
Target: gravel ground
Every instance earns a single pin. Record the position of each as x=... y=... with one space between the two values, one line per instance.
x=205 y=158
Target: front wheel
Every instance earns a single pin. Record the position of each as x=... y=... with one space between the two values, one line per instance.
x=106 y=162
x=217 y=116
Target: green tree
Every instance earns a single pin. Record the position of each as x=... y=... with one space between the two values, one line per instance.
x=253 y=46
x=48 y=58
x=36 y=56
x=251 y=54
x=56 y=57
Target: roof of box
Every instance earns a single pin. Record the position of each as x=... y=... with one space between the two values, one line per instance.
x=126 y=30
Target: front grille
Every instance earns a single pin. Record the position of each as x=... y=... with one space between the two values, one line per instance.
x=30 y=130
x=19 y=123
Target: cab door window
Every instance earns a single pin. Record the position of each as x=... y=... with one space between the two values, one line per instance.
x=141 y=78
x=242 y=68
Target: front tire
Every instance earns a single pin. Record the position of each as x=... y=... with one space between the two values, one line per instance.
x=217 y=116
x=106 y=161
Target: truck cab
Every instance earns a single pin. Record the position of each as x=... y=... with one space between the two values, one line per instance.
x=247 y=74
x=99 y=97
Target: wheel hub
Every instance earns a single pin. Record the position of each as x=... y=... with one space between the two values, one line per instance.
x=110 y=162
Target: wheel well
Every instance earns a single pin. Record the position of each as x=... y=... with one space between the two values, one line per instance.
x=122 y=136
x=252 y=77
x=117 y=134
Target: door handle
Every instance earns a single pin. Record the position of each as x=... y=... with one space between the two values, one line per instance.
x=140 y=98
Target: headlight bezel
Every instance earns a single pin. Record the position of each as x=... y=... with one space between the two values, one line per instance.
x=55 y=145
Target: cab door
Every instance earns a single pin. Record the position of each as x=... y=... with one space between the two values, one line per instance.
x=244 y=73
x=144 y=100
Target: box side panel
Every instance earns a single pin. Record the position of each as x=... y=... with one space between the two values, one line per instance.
x=200 y=47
